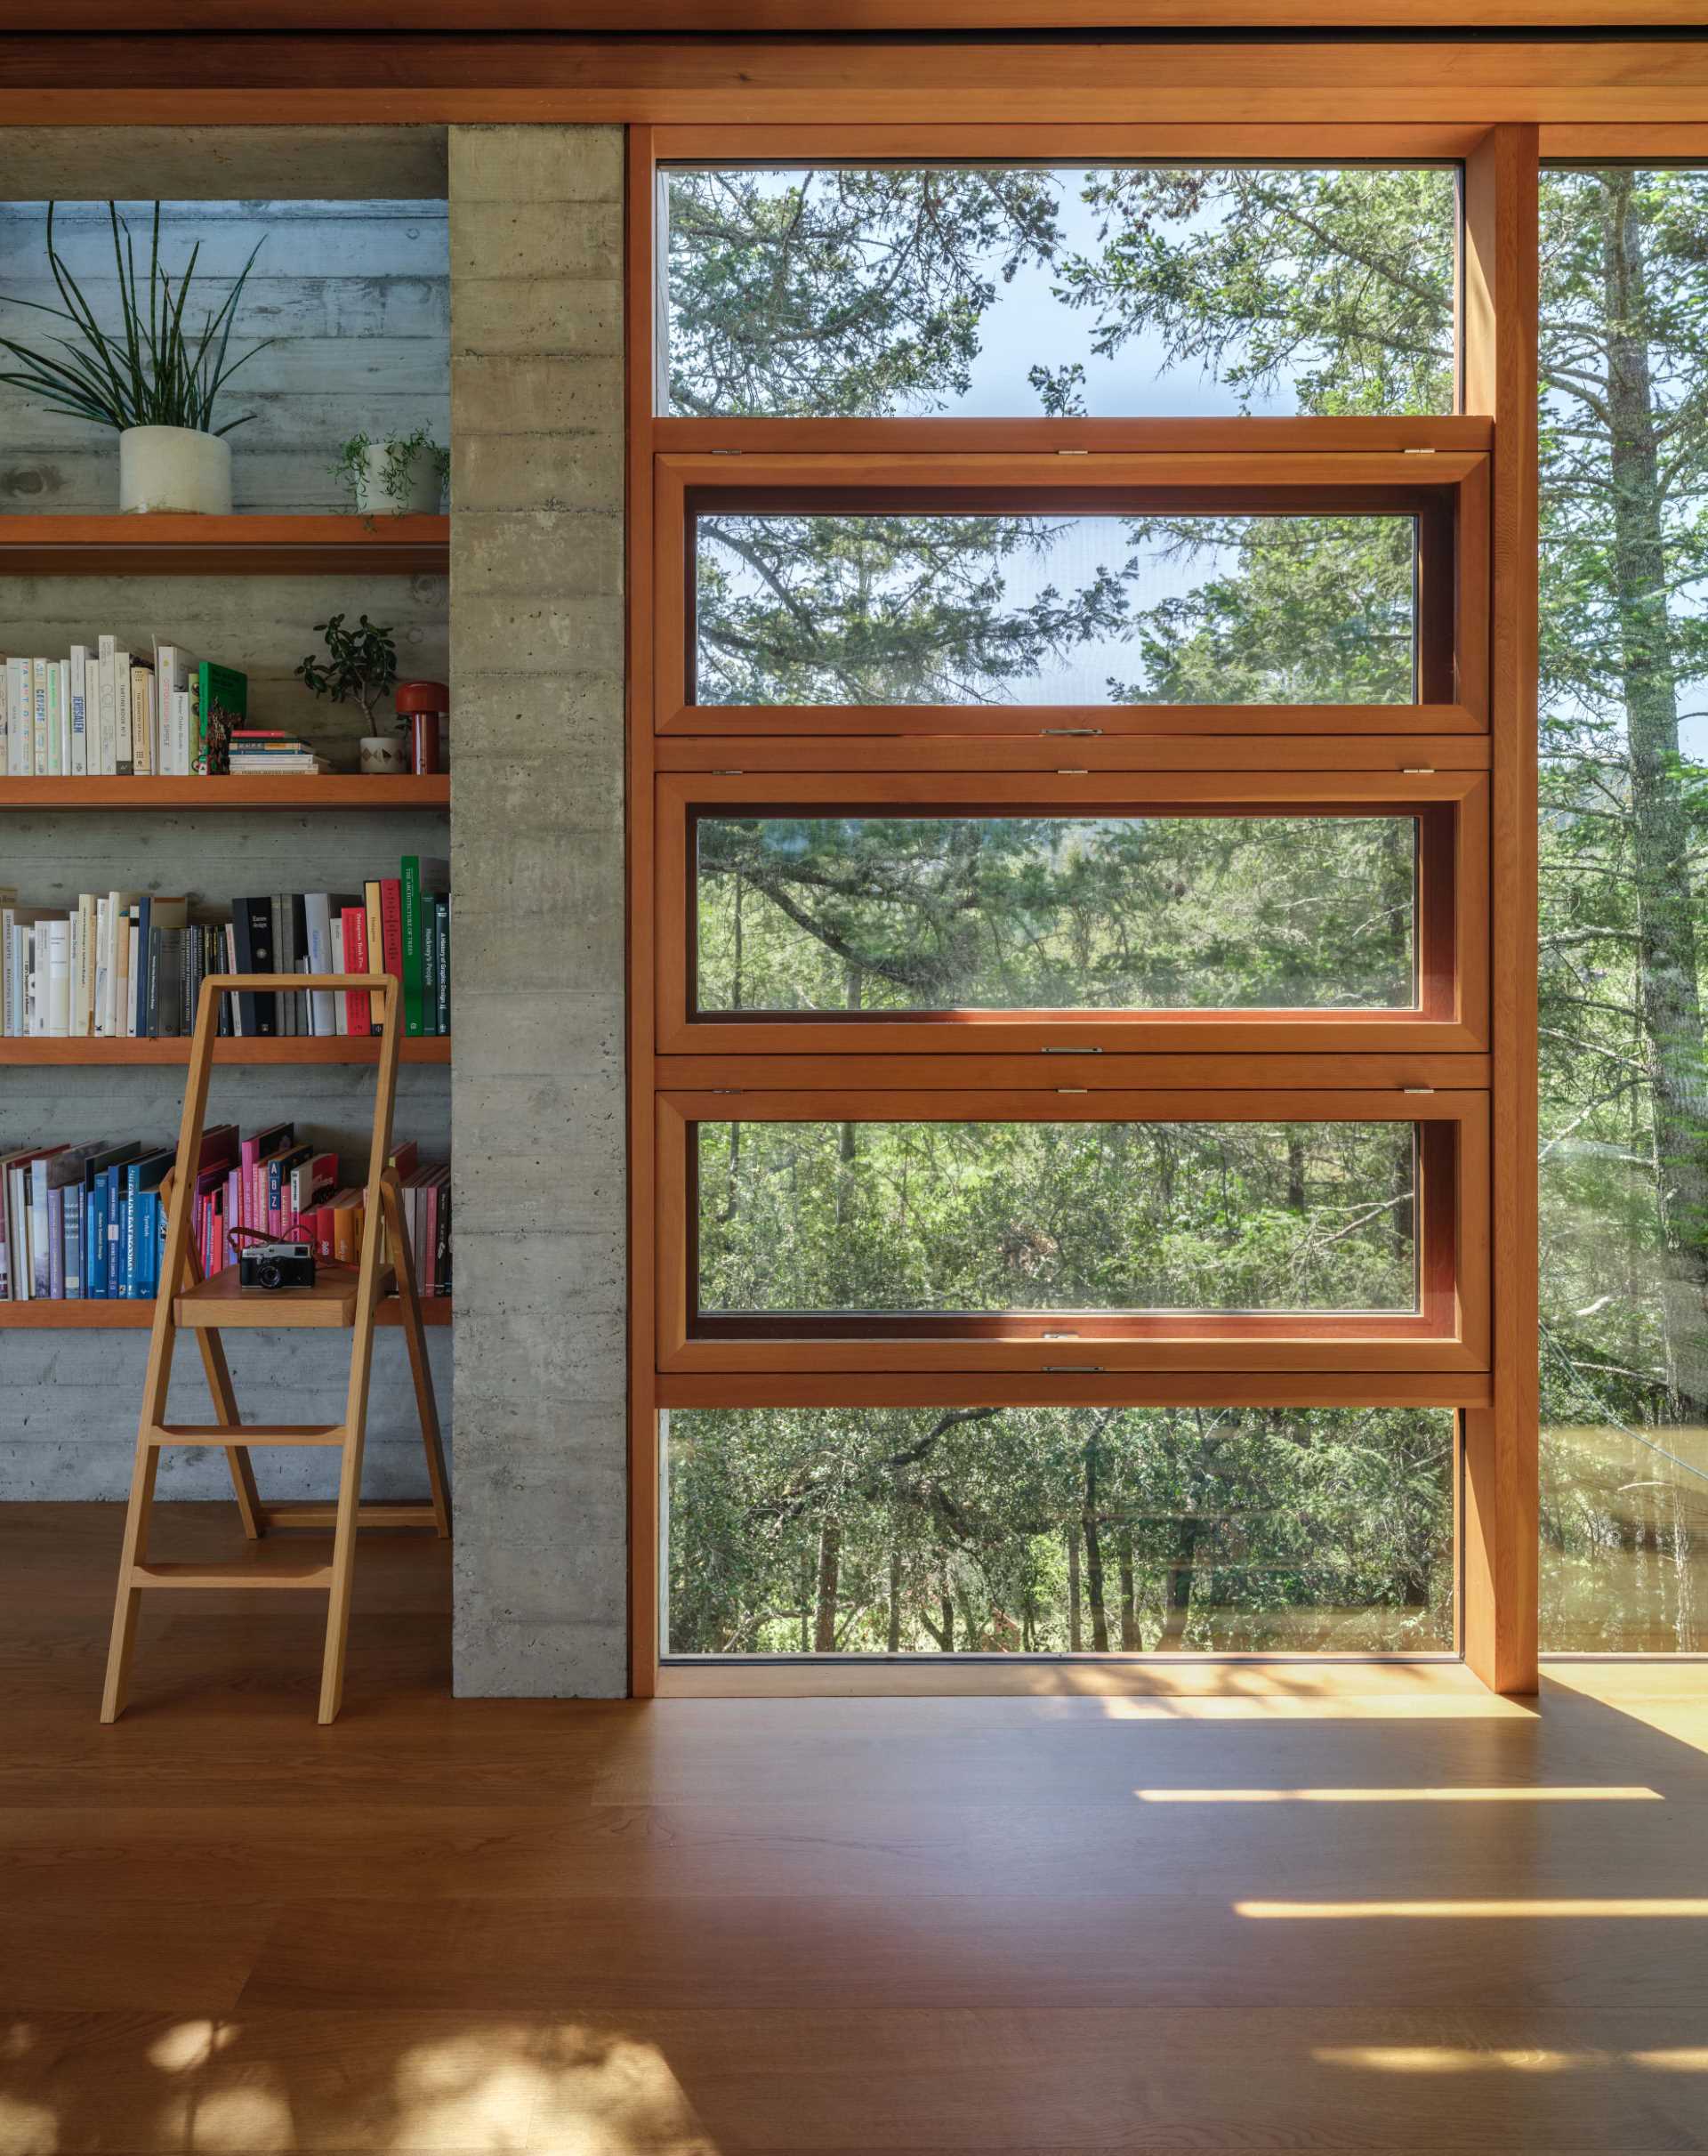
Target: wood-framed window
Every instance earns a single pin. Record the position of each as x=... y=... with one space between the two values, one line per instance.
x=804 y=1008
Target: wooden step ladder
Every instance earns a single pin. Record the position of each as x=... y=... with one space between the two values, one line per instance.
x=343 y=1296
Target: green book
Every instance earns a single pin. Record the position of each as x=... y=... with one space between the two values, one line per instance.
x=414 y=970
x=222 y=701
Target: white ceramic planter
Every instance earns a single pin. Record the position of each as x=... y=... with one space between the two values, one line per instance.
x=419 y=494
x=174 y=468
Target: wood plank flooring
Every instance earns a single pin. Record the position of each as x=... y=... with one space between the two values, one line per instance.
x=1368 y=1911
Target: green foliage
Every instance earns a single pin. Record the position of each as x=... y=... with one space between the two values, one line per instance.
x=152 y=371
x=360 y=666
x=1047 y=913
x=397 y=476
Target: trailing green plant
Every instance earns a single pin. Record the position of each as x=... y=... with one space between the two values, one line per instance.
x=360 y=665
x=152 y=372
x=396 y=477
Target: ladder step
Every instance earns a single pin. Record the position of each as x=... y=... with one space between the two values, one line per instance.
x=247 y=1434
x=305 y=1511
x=240 y=1575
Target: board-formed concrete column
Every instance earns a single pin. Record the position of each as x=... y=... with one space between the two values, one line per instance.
x=537 y=885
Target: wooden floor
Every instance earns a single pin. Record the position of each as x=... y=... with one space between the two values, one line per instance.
x=1382 y=1913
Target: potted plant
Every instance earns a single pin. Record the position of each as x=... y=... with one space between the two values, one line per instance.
x=359 y=667
x=153 y=379
x=402 y=473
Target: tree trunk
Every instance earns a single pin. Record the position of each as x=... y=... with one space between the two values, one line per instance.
x=1176 y=1595
x=945 y=1610
x=1131 y=1643
x=1075 y=1641
x=892 y=1636
x=830 y=1555
x=1669 y=998
x=1094 y=1558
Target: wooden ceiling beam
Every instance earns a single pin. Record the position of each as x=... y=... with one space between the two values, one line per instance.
x=1576 y=84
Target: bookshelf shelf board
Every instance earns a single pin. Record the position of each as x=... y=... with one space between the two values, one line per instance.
x=137 y=1317
x=435 y=1048
x=336 y=790
x=224 y=547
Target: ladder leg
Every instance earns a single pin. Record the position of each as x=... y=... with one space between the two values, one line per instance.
x=420 y=1368
x=122 y=1646
x=225 y=1405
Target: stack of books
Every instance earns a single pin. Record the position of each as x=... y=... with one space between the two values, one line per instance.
x=261 y=750
x=85 y=1221
x=129 y=965
x=102 y=712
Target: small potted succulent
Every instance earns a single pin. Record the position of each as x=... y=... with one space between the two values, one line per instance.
x=394 y=474
x=359 y=667
x=153 y=379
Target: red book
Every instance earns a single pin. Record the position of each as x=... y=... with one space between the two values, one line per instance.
x=391 y=931
x=356 y=1001
x=318 y=1224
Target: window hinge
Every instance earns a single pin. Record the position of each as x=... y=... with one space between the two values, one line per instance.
x=1073 y=452
x=1417 y=452
x=725 y=452
x=736 y=773
x=1073 y=1088
x=1417 y=770
x=1044 y=732
x=1417 y=1089
x=724 y=1089
x=1072 y=770
x=1065 y=1369
x=1070 y=1051
x=1060 y=1335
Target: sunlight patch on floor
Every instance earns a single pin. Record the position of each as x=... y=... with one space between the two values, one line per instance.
x=1500 y=1795
x=1465 y=2058
x=1581 y=1908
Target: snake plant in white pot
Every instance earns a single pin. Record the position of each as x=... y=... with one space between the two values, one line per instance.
x=152 y=379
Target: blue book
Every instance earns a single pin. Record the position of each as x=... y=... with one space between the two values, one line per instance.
x=97 y=1205
x=74 y=1287
x=114 y=1230
x=141 y=1232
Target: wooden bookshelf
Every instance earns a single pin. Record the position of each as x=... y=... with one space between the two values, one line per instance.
x=224 y=547
x=334 y=790
x=433 y=1048
x=48 y=1316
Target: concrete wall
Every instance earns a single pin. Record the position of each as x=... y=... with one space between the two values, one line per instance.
x=353 y=294
x=358 y=294
x=537 y=866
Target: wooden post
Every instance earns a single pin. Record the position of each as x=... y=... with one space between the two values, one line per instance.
x=1500 y=1505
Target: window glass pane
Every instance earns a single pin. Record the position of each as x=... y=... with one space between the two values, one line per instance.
x=804 y=608
x=1624 y=935
x=829 y=917
x=1005 y=1531
x=1014 y=292
x=1045 y=1216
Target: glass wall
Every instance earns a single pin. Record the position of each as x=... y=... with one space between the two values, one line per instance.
x=1624 y=800
x=1011 y=291
x=1000 y=1531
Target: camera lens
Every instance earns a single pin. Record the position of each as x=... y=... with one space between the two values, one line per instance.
x=267 y=1273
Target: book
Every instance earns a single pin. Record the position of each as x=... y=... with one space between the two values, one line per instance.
x=358 y=1002
x=252 y=925
x=123 y=765
x=222 y=701
x=79 y=711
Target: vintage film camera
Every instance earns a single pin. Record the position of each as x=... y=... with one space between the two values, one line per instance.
x=276 y=1261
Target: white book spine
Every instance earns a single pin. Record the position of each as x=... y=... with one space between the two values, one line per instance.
x=5 y=970
x=64 y=669
x=38 y=690
x=79 y=711
x=59 y=980
x=5 y=718
x=107 y=650
x=55 y=766
x=340 y=1008
x=123 y=764
x=20 y=755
